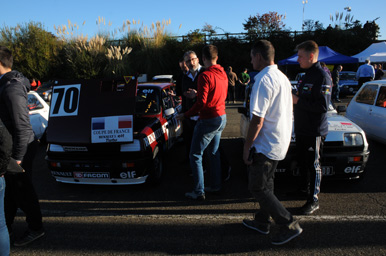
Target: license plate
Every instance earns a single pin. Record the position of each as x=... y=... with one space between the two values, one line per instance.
x=328 y=170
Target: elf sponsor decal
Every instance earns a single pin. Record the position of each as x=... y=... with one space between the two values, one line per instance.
x=128 y=175
x=165 y=130
x=94 y=175
x=353 y=169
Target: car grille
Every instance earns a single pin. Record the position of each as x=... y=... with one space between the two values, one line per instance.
x=337 y=146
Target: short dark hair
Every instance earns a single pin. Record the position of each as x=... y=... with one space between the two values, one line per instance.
x=309 y=46
x=6 y=58
x=265 y=48
x=210 y=52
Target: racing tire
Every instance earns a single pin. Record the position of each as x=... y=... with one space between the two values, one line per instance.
x=156 y=171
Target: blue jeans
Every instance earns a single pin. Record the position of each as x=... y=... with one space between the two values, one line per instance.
x=261 y=185
x=207 y=134
x=4 y=236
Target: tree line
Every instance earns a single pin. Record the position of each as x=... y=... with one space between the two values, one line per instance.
x=42 y=55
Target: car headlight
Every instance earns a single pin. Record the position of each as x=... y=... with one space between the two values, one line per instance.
x=55 y=148
x=132 y=147
x=353 y=139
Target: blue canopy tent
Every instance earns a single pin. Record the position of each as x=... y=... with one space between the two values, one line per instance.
x=326 y=55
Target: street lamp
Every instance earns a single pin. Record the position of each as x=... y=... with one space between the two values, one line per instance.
x=304 y=3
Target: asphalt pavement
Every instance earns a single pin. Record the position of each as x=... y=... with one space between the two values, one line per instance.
x=158 y=220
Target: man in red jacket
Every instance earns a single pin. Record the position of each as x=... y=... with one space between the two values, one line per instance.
x=212 y=91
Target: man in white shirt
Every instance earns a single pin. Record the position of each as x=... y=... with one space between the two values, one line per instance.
x=268 y=136
x=365 y=73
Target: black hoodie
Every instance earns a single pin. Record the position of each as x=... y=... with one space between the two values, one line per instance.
x=14 y=88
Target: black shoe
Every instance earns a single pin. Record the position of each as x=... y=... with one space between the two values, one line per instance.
x=262 y=228
x=28 y=237
x=287 y=233
x=310 y=207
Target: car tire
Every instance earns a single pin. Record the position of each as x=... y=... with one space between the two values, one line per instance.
x=156 y=170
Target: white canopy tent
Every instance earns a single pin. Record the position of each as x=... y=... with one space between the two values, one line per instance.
x=375 y=53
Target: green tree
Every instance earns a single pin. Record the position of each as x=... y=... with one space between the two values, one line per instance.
x=34 y=49
x=266 y=23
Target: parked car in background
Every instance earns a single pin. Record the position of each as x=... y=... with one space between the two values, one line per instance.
x=348 y=84
x=345 y=151
x=45 y=91
x=38 y=113
x=368 y=109
x=163 y=78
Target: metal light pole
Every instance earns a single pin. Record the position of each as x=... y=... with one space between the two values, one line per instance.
x=304 y=4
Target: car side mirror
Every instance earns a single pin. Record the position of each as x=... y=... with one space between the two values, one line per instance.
x=169 y=111
x=341 y=109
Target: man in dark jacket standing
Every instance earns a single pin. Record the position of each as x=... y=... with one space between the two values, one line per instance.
x=310 y=113
x=189 y=91
x=20 y=192
x=212 y=90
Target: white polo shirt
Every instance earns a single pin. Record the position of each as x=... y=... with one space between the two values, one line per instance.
x=271 y=99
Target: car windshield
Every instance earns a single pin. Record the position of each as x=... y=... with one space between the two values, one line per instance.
x=347 y=76
x=147 y=101
x=34 y=103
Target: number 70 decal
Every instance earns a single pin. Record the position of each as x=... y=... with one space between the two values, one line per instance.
x=65 y=100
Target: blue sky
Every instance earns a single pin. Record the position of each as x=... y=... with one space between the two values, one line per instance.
x=185 y=16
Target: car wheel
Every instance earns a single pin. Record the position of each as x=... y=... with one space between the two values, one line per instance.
x=156 y=169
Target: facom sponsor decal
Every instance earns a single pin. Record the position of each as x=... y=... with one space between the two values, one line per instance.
x=62 y=174
x=95 y=175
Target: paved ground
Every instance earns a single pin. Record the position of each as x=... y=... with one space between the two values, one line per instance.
x=145 y=220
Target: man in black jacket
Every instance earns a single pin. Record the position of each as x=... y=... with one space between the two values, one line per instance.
x=311 y=127
x=20 y=192
x=189 y=90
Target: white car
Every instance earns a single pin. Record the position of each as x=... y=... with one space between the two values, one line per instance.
x=345 y=151
x=368 y=109
x=38 y=113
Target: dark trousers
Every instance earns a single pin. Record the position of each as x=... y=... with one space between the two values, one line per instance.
x=309 y=150
x=261 y=185
x=363 y=80
x=335 y=92
x=231 y=93
x=20 y=193
x=188 y=128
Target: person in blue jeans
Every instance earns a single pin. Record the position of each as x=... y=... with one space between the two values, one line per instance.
x=212 y=88
x=5 y=154
x=4 y=236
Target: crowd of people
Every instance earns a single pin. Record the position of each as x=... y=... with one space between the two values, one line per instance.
x=205 y=90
